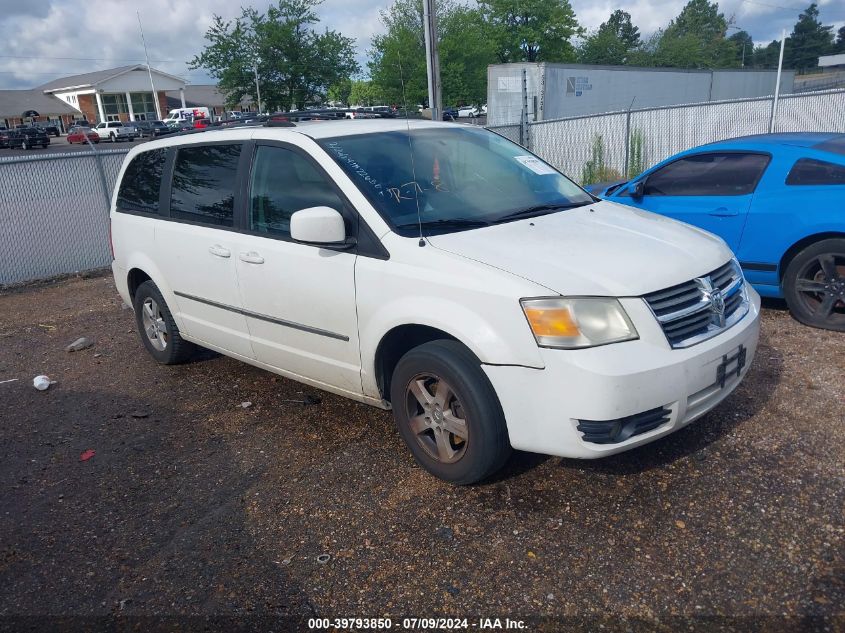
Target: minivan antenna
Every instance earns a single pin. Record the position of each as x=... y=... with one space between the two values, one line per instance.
x=411 y=149
x=149 y=70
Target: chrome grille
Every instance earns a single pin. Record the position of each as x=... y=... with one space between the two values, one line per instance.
x=701 y=308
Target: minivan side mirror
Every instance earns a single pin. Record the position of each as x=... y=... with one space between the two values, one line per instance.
x=318 y=226
x=638 y=189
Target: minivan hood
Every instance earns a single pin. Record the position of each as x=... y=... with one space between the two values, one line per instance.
x=602 y=249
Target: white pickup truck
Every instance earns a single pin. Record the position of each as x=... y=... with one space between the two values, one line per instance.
x=114 y=131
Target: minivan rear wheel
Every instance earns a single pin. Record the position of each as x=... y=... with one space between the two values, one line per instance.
x=448 y=413
x=157 y=328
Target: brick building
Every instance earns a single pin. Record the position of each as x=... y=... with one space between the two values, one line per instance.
x=116 y=94
x=15 y=103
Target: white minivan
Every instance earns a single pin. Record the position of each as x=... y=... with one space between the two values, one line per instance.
x=436 y=269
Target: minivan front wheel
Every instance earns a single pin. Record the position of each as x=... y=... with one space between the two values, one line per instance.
x=157 y=328
x=448 y=413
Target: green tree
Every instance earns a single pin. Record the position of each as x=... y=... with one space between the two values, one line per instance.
x=532 y=30
x=809 y=40
x=397 y=56
x=695 y=38
x=839 y=45
x=365 y=93
x=743 y=47
x=296 y=64
x=339 y=92
x=612 y=43
x=767 y=56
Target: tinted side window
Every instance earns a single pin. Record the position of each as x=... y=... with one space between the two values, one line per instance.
x=284 y=182
x=204 y=181
x=808 y=171
x=141 y=182
x=708 y=175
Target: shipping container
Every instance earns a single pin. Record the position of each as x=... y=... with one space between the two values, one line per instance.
x=558 y=91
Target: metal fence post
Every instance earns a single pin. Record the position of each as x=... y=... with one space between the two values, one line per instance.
x=523 y=119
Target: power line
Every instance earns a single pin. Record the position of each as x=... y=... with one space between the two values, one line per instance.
x=773 y=6
x=89 y=59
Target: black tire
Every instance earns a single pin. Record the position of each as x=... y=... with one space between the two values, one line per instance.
x=486 y=446
x=176 y=350
x=45 y=145
x=814 y=285
x=113 y=137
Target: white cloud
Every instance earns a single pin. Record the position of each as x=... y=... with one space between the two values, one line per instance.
x=45 y=39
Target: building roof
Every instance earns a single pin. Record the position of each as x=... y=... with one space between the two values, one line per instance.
x=89 y=80
x=13 y=103
x=200 y=95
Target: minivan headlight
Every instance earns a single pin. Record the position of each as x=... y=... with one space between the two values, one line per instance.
x=572 y=323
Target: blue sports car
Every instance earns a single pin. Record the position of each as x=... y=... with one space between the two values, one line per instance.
x=778 y=200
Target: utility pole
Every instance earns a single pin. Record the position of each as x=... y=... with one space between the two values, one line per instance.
x=432 y=60
x=257 y=87
x=777 y=84
x=150 y=72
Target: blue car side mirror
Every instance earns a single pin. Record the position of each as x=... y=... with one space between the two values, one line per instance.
x=638 y=189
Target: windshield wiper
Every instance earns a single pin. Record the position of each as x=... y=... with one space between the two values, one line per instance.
x=539 y=209
x=450 y=223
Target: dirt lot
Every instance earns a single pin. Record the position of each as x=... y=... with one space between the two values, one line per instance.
x=196 y=506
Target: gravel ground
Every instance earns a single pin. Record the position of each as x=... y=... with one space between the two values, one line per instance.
x=195 y=507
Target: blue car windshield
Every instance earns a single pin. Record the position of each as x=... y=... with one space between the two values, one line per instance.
x=451 y=178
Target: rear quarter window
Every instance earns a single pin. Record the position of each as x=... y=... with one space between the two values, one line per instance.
x=809 y=171
x=139 y=189
x=204 y=184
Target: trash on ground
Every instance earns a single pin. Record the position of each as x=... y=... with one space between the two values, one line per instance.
x=86 y=455
x=308 y=400
x=246 y=404
x=139 y=414
x=79 y=344
x=323 y=559
x=3 y=382
x=42 y=382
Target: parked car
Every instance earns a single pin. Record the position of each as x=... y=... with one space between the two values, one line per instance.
x=486 y=298
x=79 y=134
x=134 y=127
x=51 y=129
x=450 y=114
x=5 y=137
x=114 y=131
x=153 y=129
x=467 y=111
x=28 y=138
x=778 y=201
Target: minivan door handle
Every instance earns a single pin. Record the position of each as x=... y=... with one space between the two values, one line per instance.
x=219 y=251
x=251 y=258
x=723 y=212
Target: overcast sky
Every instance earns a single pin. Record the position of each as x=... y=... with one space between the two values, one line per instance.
x=44 y=39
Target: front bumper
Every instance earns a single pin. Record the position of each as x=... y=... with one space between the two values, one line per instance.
x=543 y=406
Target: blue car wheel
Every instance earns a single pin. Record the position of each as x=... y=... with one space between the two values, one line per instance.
x=814 y=285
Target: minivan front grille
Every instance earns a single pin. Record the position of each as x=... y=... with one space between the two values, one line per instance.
x=701 y=308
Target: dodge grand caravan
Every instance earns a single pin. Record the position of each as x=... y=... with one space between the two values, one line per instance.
x=436 y=269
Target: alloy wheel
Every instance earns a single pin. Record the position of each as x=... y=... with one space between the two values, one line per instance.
x=436 y=418
x=820 y=286
x=154 y=325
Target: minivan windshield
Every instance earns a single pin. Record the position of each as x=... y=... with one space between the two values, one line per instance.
x=451 y=178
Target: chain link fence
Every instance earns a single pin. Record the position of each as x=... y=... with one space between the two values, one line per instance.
x=54 y=213
x=54 y=207
x=617 y=145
